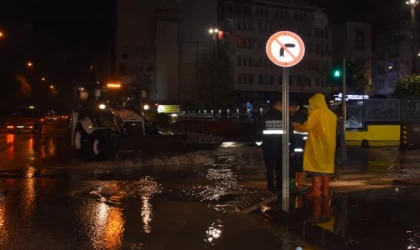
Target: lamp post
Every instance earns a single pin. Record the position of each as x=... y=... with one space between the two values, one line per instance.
x=413 y=4
x=215 y=33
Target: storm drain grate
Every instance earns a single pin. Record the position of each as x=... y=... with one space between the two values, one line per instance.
x=255 y=201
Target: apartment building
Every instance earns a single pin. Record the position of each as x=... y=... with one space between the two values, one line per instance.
x=393 y=58
x=159 y=42
x=250 y=24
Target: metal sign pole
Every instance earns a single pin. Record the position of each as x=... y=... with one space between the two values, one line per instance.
x=285 y=121
x=344 y=97
x=285 y=49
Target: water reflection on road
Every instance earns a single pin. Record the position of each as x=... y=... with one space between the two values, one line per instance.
x=48 y=200
x=81 y=213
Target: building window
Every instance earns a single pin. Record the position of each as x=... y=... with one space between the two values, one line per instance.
x=239 y=79
x=318 y=82
x=249 y=44
x=260 y=79
x=240 y=43
x=244 y=25
x=327 y=33
x=245 y=79
x=359 y=42
x=239 y=61
x=251 y=79
x=280 y=80
x=245 y=61
x=239 y=25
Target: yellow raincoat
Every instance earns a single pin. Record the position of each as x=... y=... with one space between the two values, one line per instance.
x=320 y=146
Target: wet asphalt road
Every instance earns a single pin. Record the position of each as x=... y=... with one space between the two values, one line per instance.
x=51 y=200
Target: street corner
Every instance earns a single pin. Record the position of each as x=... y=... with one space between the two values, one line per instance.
x=343 y=220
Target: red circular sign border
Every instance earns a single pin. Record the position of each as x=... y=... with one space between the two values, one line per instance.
x=274 y=38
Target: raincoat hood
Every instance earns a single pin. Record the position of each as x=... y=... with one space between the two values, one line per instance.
x=318 y=102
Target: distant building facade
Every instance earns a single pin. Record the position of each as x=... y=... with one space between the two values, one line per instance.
x=158 y=44
x=393 y=58
x=353 y=40
x=249 y=24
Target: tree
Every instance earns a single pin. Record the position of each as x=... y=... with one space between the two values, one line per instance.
x=356 y=79
x=408 y=86
x=356 y=76
x=203 y=87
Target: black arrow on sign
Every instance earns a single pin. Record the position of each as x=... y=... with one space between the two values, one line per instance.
x=287 y=45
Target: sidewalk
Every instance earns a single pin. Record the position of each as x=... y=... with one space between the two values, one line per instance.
x=374 y=204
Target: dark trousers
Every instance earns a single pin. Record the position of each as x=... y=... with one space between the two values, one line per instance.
x=274 y=169
x=297 y=163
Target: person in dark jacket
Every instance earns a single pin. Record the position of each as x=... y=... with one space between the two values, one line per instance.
x=270 y=131
x=341 y=149
x=297 y=141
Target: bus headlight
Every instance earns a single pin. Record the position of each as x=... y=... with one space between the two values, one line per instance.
x=102 y=106
x=146 y=107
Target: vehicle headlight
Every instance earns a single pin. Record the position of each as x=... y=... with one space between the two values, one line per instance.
x=102 y=106
x=146 y=107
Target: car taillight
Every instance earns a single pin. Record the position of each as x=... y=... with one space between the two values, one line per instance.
x=42 y=119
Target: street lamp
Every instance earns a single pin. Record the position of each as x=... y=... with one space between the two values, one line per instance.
x=52 y=87
x=1 y=34
x=29 y=64
x=413 y=4
x=215 y=33
x=43 y=79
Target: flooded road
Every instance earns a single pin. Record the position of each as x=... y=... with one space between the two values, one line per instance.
x=50 y=200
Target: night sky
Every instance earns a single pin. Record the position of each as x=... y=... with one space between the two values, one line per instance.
x=64 y=37
x=61 y=37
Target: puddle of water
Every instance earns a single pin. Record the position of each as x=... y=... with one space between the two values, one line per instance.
x=373 y=219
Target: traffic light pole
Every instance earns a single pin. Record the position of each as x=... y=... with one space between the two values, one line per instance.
x=344 y=97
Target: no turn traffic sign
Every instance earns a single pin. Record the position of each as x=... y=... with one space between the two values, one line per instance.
x=285 y=49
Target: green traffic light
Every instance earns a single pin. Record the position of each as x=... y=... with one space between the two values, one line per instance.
x=337 y=73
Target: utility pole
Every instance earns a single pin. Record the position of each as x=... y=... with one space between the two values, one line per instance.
x=344 y=97
x=215 y=32
x=413 y=4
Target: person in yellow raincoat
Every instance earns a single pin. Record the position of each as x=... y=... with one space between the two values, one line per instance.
x=321 y=144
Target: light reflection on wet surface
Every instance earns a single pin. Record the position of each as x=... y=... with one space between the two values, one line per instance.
x=176 y=207
x=61 y=212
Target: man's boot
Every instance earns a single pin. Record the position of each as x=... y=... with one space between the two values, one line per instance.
x=326 y=209
x=299 y=177
x=325 y=186
x=316 y=187
x=316 y=211
x=300 y=188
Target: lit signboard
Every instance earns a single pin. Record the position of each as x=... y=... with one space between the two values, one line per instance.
x=351 y=97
